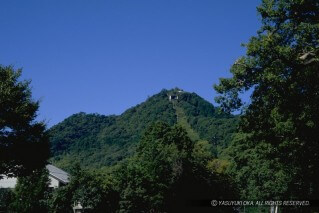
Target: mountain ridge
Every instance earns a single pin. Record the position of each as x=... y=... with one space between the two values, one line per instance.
x=98 y=141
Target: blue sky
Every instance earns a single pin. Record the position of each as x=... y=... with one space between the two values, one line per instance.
x=104 y=56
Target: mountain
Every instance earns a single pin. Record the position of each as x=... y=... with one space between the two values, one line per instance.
x=98 y=141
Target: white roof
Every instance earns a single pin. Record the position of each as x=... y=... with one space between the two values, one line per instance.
x=58 y=173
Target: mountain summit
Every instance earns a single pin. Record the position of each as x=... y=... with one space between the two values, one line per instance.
x=97 y=140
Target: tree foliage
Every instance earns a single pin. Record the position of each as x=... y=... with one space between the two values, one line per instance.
x=32 y=193
x=98 y=141
x=94 y=191
x=208 y=121
x=6 y=198
x=163 y=174
x=275 y=154
x=24 y=143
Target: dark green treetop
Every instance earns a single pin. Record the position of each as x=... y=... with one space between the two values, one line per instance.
x=23 y=141
x=167 y=174
x=279 y=129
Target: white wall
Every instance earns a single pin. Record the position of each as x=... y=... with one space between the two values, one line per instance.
x=6 y=182
x=54 y=183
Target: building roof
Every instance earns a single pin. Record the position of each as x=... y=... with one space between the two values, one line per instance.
x=58 y=173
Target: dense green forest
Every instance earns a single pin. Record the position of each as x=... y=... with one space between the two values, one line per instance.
x=168 y=172
x=176 y=152
x=98 y=141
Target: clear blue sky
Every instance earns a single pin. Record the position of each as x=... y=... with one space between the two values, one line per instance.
x=104 y=56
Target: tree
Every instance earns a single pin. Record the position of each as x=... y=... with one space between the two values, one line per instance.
x=6 y=198
x=163 y=175
x=24 y=143
x=93 y=191
x=275 y=153
x=148 y=175
x=31 y=194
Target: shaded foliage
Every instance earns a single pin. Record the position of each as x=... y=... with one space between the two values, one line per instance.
x=94 y=191
x=163 y=174
x=24 y=144
x=6 y=198
x=32 y=193
x=275 y=154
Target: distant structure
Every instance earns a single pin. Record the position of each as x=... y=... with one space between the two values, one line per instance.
x=57 y=178
x=175 y=96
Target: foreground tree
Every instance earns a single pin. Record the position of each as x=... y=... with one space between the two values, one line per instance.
x=164 y=176
x=24 y=143
x=275 y=154
x=94 y=191
x=6 y=198
x=31 y=194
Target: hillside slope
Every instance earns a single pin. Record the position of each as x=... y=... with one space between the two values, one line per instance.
x=98 y=141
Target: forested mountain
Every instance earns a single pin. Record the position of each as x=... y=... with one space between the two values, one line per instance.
x=98 y=141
